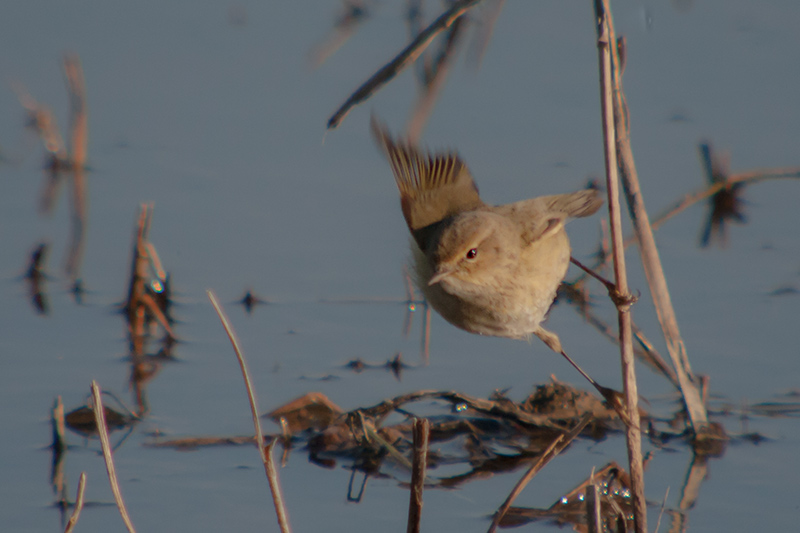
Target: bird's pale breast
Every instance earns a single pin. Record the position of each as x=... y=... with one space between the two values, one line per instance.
x=510 y=302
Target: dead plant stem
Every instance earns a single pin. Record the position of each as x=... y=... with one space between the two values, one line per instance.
x=421 y=435
x=76 y=513
x=555 y=447
x=79 y=136
x=100 y=420
x=403 y=59
x=633 y=438
x=264 y=451
x=648 y=251
x=593 y=516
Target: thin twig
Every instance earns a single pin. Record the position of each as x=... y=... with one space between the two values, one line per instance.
x=421 y=434
x=611 y=396
x=405 y=58
x=661 y=512
x=100 y=420
x=610 y=287
x=605 y=44
x=645 y=351
x=266 y=452
x=76 y=513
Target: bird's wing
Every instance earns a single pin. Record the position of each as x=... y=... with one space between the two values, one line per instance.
x=432 y=187
x=545 y=215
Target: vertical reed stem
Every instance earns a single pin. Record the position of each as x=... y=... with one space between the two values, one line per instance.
x=632 y=431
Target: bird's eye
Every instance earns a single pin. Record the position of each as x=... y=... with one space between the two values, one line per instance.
x=472 y=253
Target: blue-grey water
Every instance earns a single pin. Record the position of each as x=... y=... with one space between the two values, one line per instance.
x=213 y=112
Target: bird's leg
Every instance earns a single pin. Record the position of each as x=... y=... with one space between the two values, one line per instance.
x=613 y=398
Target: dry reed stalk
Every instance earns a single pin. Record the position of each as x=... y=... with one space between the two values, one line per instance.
x=484 y=31
x=144 y=256
x=555 y=447
x=353 y=14
x=593 y=516
x=647 y=246
x=420 y=463
x=402 y=60
x=59 y=427
x=79 y=137
x=264 y=451
x=59 y=446
x=633 y=438
x=137 y=287
x=690 y=492
x=79 y=119
x=76 y=513
x=434 y=81
x=42 y=119
x=645 y=352
x=100 y=420
x=661 y=512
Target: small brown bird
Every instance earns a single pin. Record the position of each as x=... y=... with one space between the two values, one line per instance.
x=491 y=270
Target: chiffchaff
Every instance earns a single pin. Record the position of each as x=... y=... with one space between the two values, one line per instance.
x=491 y=270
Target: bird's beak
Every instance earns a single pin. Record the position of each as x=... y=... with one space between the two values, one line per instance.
x=441 y=273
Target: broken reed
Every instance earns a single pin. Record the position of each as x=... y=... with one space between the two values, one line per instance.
x=421 y=433
x=76 y=513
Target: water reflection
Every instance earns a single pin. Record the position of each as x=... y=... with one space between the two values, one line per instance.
x=35 y=278
x=147 y=310
x=60 y=163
